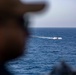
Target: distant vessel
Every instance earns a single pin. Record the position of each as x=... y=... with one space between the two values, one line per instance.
x=50 y=38
x=57 y=38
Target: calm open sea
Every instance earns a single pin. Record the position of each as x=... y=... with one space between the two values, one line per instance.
x=44 y=51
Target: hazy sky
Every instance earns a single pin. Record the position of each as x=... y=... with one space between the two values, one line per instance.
x=60 y=13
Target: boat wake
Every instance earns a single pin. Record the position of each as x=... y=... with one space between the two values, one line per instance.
x=50 y=38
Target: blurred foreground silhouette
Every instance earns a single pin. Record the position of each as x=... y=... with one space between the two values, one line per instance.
x=62 y=69
x=14 y=30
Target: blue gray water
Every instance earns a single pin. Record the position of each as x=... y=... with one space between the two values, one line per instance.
x=44 y=53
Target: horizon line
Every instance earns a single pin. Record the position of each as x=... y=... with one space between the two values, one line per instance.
x=52 y=27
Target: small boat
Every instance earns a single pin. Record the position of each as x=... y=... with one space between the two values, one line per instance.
x=50 y=38
x=57 y=38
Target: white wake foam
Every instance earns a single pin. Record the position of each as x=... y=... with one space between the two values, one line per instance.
x=50 y=38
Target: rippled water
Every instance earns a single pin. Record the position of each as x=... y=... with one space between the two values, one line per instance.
x=43 y=54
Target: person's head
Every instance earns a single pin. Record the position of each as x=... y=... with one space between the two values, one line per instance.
x=13 y=32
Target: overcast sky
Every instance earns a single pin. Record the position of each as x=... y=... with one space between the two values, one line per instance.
x=60 y=13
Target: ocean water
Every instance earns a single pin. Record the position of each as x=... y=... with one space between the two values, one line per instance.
x=43 y=53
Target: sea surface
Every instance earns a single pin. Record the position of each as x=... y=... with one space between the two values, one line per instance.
x=43 y=53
